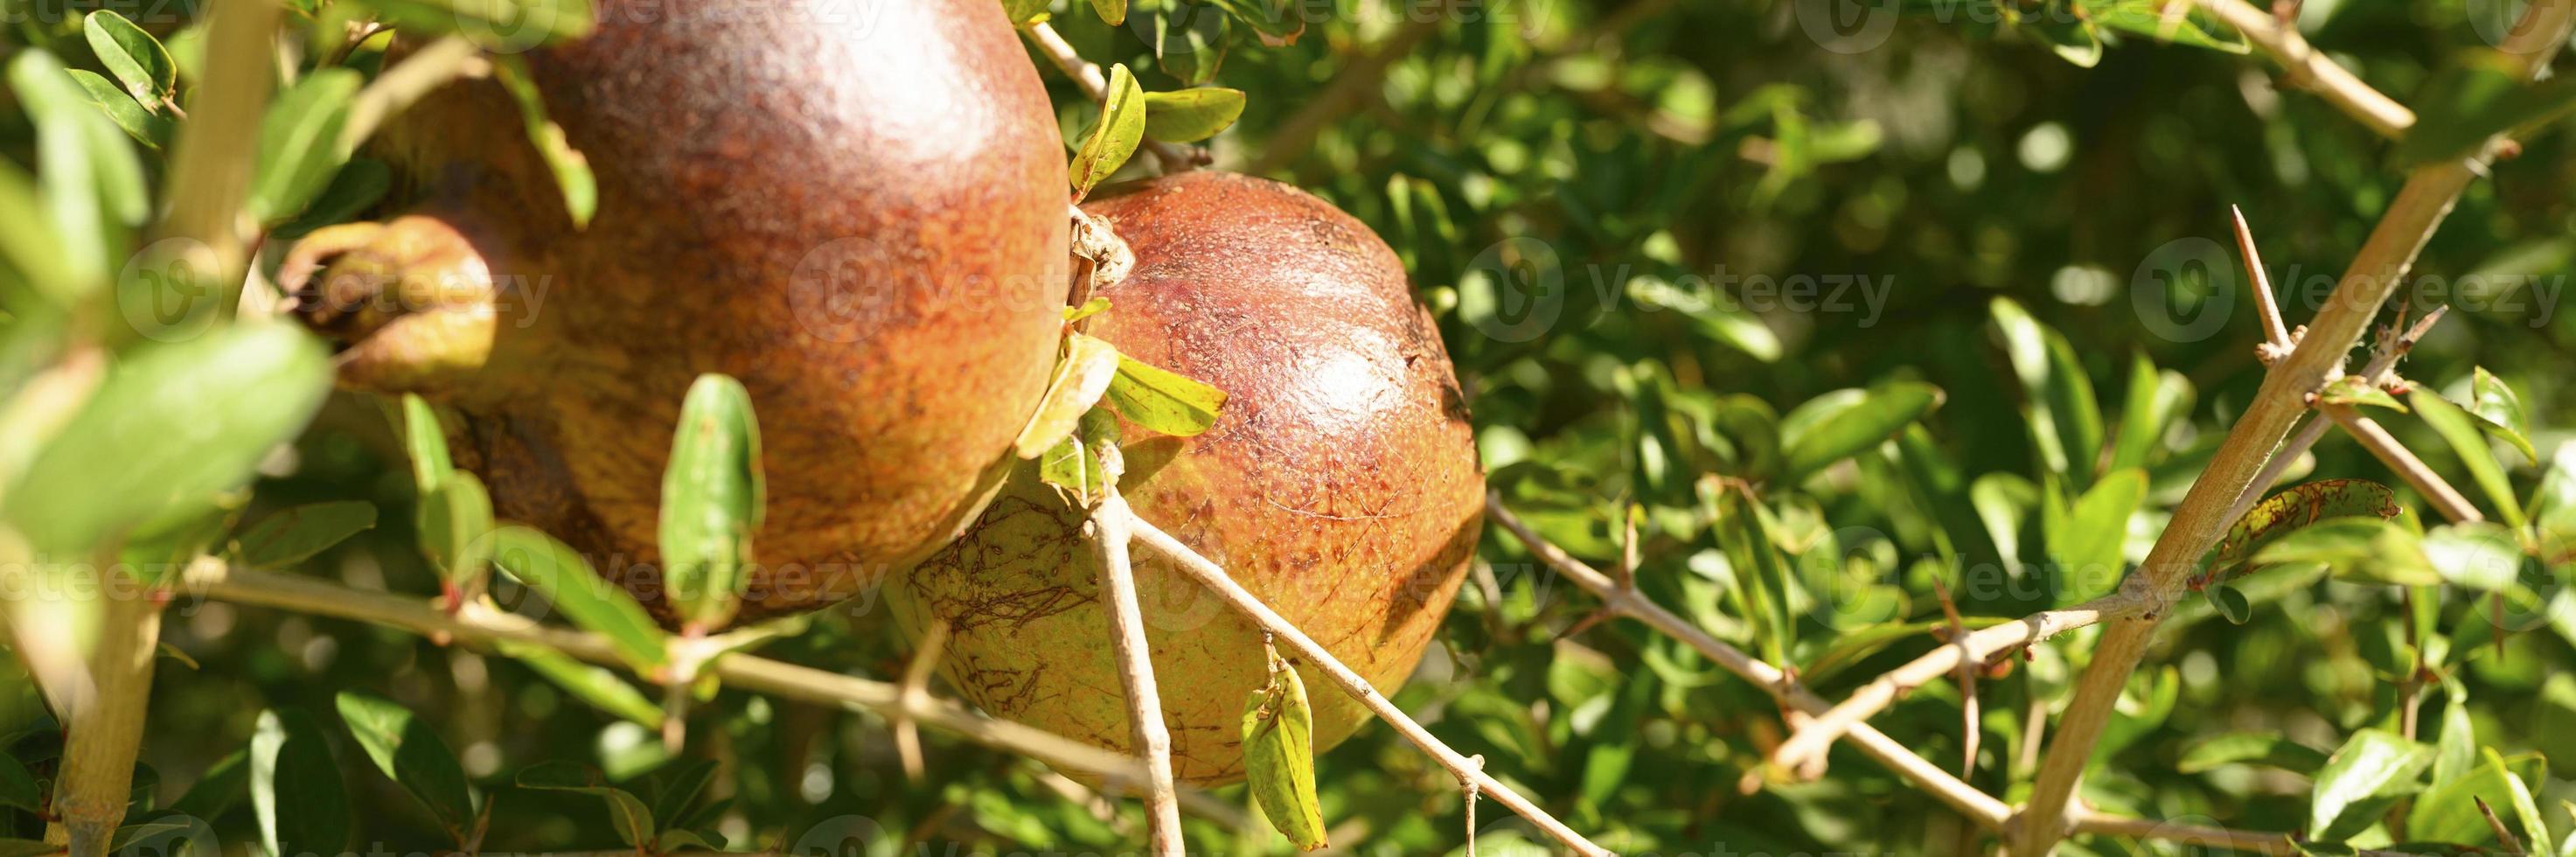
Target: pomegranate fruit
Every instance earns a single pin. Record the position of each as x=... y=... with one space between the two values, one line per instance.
x=1339 y=483
x=859 y=214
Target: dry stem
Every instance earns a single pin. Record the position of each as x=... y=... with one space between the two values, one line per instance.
x=479 y=626
x=1213 y=576
x=1108 y=538
x=2308 y=69
x=106 y=729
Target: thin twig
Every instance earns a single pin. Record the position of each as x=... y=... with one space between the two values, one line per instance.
x=1213 y=576
x=2393 y=346
x=2394 y=454
x=2308 y=69
x=1108 y=537
x=106 y=731
x=479 y=625
x=2512 y=844
x=1172 y=157
x=916 y=687
x=1805 y=749
x=2197 y=524
x=1978 y=806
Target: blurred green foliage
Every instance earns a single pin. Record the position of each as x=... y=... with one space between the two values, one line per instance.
x=1842 y=316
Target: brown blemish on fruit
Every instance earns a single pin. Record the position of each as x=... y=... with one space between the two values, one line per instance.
x=1340 y=484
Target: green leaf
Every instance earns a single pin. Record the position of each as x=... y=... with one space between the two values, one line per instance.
x=136 y=58
x=2148 y=18
x=2154 y=403
x=1728 y=326
x=2363 y=548
x=2065 y=420
x=216 y=790
x=299 y=143
x=291 y=535
x=571 y=169
x=2448 y=812
x=1114 y=138
x=633 y=820
x=549 y=566
x=18 y=787
x=426 y=439
x=1163 y=401
x=1191 y=115
x=713 y=499
x=455 y=526
x=1074 y=464
x=2464 y=105
x=1277 y=22
x=2090 y=541
x=2289 y=510
x=2499 y=412
x=1114 y=12
x=1279 y=756
x=1088 y=367
x=603 y=688
x=295 y=786
x=2480 y=556
x=2370 y=772
x=146 y=127
x=676 y=789
x=2352 y=390
x=1025 y=12
x=2460 y=430
x=93 y=187
x=509 y=25
x=2229 y=602
x=2252 y=748
x=1850 y=425
x=408 y=751
x=2072 y=41
x=1190 y=43
x=170 y=426
x=1095 y=306
x=357 y=186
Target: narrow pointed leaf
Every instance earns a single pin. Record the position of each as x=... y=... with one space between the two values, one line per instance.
x=2289 y=510
x=2499 y=412
x=1279 y=758
x=408 y=751
x=2460 y=430
x=1114 y=139
x=1852 y=425
x=631 y=818
x=712 y=501
x=138 y=60
x=291 y=535
x=295 y=787
x=455 y=527
x=551 y=567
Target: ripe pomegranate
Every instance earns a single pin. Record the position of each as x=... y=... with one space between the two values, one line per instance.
x=860 y=215
x=1339 y=483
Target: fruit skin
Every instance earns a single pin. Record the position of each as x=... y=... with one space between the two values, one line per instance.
x=1340 y=483
x=860 y=215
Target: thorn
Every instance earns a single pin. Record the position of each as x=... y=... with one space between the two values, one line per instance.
x=2274 y=332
